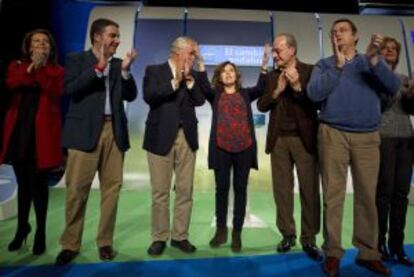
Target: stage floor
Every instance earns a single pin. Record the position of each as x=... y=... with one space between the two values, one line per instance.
x=132 y=237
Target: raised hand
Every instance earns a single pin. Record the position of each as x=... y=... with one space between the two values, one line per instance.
x=267 y=53
x=199 y=59
x=339 y=55
x=373 y=48
x=129 y=58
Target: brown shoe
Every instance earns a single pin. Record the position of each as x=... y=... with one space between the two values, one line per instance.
x=106 y=253
x=375 y=266
x=219 y=238
x=331 y=266
x=236 y=243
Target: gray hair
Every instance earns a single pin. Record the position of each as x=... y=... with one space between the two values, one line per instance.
x=290 y=40
x=180 y=43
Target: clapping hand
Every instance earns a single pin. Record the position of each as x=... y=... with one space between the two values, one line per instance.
x=129 y=58
x=339 y=55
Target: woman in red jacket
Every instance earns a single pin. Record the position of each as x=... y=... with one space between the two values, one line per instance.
x=32 y=129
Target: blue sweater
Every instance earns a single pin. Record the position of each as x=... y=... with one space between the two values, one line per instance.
x=349 y=96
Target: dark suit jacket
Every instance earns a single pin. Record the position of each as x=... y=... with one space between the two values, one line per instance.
x=169 y=110
x=84 y=119
x=213 y=96
x=304 y=109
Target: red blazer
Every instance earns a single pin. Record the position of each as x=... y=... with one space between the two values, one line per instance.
x=48 y=125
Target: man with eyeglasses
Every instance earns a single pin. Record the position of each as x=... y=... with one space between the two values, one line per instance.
x=291 y=141
x=347 y=84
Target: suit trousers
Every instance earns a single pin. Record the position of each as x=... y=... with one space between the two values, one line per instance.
x=107 y=159
x=339 y=150
x=288 y=152
x=394 y=183
x=180 y=160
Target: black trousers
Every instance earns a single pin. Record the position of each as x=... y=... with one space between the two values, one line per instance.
x=31 y=187
x=240 y=164
x=394 y=182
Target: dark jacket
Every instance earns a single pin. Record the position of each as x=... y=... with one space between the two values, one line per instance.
x=213 y=96
x=169 y=110
x=84 y=119
x=304 y=109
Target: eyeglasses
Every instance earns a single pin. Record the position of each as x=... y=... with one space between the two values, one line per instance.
x=278 y=51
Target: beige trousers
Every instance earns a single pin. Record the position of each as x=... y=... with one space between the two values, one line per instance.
x=80 y=171
x=180 y=161
x=339 y=150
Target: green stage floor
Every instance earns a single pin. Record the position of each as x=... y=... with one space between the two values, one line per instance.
x=132 y=236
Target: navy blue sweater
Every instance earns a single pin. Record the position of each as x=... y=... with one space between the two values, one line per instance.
x=349 y=96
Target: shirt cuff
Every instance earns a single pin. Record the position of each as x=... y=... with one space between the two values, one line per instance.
x=99 y=74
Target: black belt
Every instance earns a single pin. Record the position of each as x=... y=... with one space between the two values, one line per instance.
x=108 y=117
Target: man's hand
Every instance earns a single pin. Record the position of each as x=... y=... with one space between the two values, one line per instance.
x=129 y=58
x=267 y=53
x=281 y=85
x=373 y=49
x=339 y=55
x=292 y=76
x=199 y=59
x=102 y=58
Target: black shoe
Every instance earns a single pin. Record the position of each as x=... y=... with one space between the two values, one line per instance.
x=156 y=248
x=286 y=243
x=312 y=251
x=401 y=257
x=39 y=245
x=382 y=248
x=183 y=245
x=106 y=253
x=65 y=257
x=19 y=238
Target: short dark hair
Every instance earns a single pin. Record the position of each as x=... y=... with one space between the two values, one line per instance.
x=218 y=83
x=99 y=25
x=347 y=20
x=27 y=40
x=354 y=28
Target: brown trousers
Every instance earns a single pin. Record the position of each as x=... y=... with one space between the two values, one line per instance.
x=80 y=171
x=289 y=151
x=339 y=150
x=181 y=161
